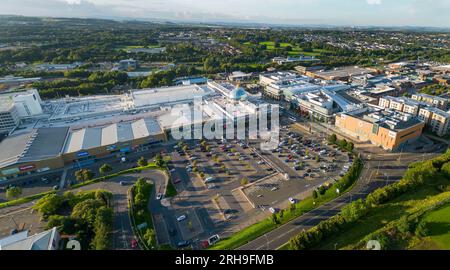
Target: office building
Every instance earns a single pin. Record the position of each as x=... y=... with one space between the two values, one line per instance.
x=438 y=102
x=9 y=116
x=387 y=129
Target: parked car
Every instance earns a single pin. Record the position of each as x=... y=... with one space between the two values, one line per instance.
x=181 y=218
x=177 y=181
x=272 y=210
x=183 y=244
x=159 y=196
x=213 y=239
x=292 y=200
x=209 y=179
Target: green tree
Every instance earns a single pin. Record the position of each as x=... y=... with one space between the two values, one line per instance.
x=159 y=160
x=244 y=181
x=87 y=211
x=315 y=194
x=87 y=175
x=48 y=205
x=343 y=144
x=404 y=225
x=142 y=162
x=79 y=176
x=332 y=139
x=150 y=237
x=322 y=190
x=274 y=218
x=105 y=169
x=13 y=192
x=102 y=228
x=350 y=146
x=422 y=229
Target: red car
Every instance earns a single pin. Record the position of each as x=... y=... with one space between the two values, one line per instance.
x=134 y=243
x=176 y=181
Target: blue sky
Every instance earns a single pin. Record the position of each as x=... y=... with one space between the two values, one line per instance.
x=331 y=12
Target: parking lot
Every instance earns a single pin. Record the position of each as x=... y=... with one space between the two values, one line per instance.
x=33 y=184
x=307 y=162
x=226 y=185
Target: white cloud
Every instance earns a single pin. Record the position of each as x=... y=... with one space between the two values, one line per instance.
x=373 y=2
x=73 y=2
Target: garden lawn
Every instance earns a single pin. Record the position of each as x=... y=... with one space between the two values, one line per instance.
x=439 y=226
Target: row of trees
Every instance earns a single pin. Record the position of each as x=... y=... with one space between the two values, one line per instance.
x=417 y=175
x=141 y=195
x=342 y=144
x=94 y=83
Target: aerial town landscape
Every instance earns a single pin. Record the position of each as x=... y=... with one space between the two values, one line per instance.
x=145 y=135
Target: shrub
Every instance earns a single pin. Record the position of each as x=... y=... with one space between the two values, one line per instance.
x=142 y=162
x=13 y=192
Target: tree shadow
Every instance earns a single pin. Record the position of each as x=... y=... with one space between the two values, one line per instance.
x=438 y=228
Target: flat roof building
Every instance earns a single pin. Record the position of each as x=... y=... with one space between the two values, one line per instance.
x=438 y=121
x=387 y=129
x=9 y=116
x=168 y=95
x=342 y=74
x=438 y=102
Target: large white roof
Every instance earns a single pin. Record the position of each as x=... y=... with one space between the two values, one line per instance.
x=87 y=138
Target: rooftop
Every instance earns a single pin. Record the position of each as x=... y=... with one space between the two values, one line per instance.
x=343 y=72
x=22 y=241
x=87 y=138
x=26 y=146
x=168 y=95
x=392 y=120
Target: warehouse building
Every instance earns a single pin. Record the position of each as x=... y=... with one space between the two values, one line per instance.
x=84 y=146
x=44 y=149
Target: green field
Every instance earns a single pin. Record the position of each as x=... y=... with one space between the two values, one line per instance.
x=129 y=47
x=439 y=226
x=296 y=50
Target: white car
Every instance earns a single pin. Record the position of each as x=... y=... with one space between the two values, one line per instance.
x=159 y=196
x=181 y=218
x=260 y=162
x=210 y=179
x=274 y=189
x=173 y=170
x=272 y=210
x=292 y=200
